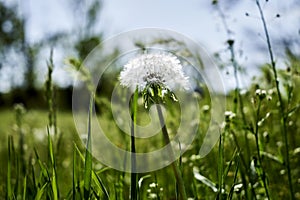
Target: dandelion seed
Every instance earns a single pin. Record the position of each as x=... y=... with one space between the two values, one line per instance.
x=154 y=68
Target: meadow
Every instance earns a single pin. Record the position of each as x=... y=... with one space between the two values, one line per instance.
x=257 y=155
x=249 y=161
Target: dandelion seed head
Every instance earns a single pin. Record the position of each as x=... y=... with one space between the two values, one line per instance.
x=157 y=68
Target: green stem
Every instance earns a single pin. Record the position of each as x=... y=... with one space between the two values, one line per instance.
x=258 y=150
x=175 y=168
x=133 y=191
x=282 y=110
x=88 y=163
x=238 y=101
x=220 y=165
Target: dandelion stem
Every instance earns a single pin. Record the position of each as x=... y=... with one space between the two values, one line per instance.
x=133 y=191
x=175 y=168
x=282 y=109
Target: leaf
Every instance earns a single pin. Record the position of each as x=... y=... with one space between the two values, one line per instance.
x=40 y=192
x=205 y=180
x=45 y=172
x=272 y=157
x=230 y=164
x=142 y=179
x=236 y=187
x=100 y=184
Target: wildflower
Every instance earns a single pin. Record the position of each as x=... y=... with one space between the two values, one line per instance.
x=229 y=115
x=269 y=98
x=270 y=91
x=261 y=93
x=154 y=68
x=194 y=157
x=152 y=185
x=205 y=108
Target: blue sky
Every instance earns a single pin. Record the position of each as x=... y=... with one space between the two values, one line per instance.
x=195 y=19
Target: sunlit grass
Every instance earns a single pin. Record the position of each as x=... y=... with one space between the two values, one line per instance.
x=257 y=156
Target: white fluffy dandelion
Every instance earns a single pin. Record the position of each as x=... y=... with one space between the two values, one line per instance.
x=157 y=68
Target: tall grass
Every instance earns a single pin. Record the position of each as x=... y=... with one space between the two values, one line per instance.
x=254 y=158
x=281 y=102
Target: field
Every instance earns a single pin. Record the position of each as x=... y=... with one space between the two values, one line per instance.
x=49 y=151
x=249 y=161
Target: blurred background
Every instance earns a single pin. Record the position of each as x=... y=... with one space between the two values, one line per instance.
x=29 y=29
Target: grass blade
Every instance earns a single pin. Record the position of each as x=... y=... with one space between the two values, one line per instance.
x=234 y=185
x=100 y=183
x=205 y=180
x=74 y=175
x=9 y=194
x=88 y=156
x=40 y=192
x=230 y=164
x=95 y=177
x=54 y=184
x=44 y=170
x=24 y=188
x=220 y=165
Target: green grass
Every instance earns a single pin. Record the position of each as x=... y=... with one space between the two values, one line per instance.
x=37 y=164
x=59 y=169
x=257 y=156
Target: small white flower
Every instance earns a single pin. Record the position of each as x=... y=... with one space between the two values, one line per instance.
x=195 y=157
x=230 y=115
x=258 y=92
x=164 y=69
x=152 y=185
x=205 y=108
x=261 y=93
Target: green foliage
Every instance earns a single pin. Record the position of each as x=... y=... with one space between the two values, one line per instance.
x=257 y=154
x=86 y=45
x=237 y=174
x=11 y=27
